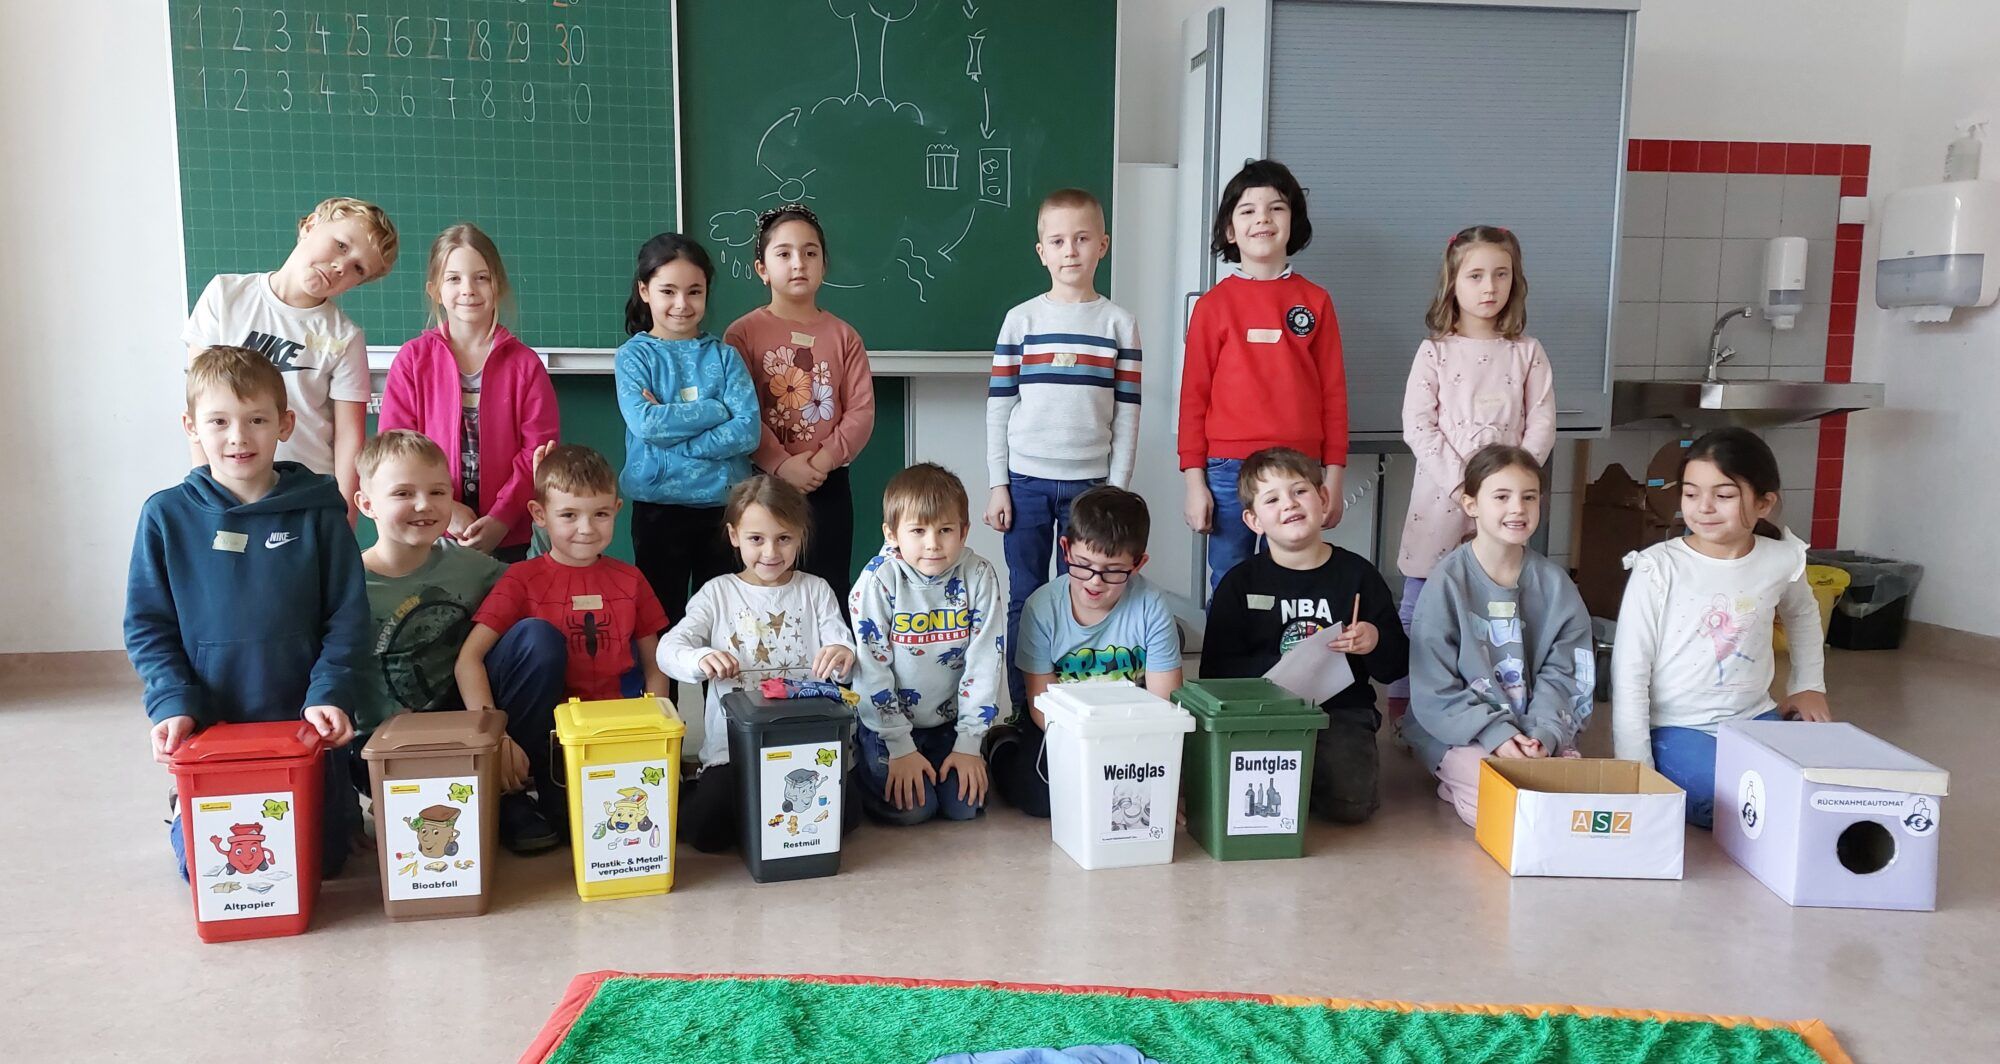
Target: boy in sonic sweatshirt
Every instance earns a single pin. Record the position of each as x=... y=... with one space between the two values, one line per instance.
x=929 y=615
x=246 y=600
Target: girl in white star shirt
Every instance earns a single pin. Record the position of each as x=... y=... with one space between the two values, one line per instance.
x=1694 y=630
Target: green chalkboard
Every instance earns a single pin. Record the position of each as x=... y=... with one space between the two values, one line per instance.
x=923 y=132
x=549 y=123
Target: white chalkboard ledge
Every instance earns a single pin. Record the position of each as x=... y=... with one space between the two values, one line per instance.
x=588 y=360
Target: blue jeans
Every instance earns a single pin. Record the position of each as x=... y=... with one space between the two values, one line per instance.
x=1041 y=514
x=1232 y=541
x=871 y=771
x=1687 y=757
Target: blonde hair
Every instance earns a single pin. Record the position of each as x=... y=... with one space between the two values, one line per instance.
x=574 y=469
x=1442 y=318
x=927 y=493
x=466 y=235
x=247 y=374
x=785 y=502
x=1069 y=197
x=372 y=218
x=406 y=444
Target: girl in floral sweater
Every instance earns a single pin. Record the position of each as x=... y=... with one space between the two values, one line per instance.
x=813 y=384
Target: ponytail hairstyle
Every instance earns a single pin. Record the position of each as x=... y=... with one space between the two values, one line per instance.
x=1742 y=456
x=1442 y=318
x=653 y=254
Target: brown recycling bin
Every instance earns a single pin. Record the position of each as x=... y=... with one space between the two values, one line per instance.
x=435 y=777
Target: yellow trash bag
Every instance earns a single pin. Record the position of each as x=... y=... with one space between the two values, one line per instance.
x=1828 y=584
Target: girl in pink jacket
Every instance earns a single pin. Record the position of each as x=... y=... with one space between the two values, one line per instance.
x=483 y=395
x=1478 y=379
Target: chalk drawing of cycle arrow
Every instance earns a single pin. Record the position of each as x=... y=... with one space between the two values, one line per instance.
x=986 y=123
x=791 y=116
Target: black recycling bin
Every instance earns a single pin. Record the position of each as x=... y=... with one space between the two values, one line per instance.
x=1875 y=609
x=790 y=757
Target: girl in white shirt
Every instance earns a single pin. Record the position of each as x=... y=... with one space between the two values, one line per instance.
x=1694 y=630
x=768 y=620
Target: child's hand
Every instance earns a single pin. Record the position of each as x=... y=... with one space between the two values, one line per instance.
x=1000 y=508
x=483 y=534
x=514 y=771
x=833 y=662
x=907 y=775
x=168 y=735
x=1516 y=747
x=971 y=769
x=535 y=462
x=824 y=460
x=799 y=472
x=720 y=665
x=462 y=518
x=331 y=723
x=1199 y=509
x=1336 y=501
x=647 y=395
x=1807 y=705
x=1358 y=638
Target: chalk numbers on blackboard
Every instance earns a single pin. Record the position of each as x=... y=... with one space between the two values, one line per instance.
x=427 y=66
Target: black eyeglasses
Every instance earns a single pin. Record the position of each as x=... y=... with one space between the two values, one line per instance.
x=1109 y=576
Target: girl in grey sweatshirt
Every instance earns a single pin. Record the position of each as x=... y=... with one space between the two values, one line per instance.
x=1501 y=661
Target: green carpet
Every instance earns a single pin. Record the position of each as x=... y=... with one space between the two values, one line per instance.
x=698 y=1020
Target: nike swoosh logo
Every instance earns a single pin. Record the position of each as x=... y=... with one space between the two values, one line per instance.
x=278 y=539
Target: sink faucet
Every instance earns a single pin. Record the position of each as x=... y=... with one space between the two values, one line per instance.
x=1718 y=354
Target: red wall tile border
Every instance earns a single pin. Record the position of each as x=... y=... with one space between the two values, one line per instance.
x=1849 y=162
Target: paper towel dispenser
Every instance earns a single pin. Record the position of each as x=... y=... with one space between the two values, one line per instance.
x=1940 y=250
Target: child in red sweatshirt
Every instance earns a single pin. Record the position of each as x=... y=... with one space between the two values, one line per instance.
x=1263 y=366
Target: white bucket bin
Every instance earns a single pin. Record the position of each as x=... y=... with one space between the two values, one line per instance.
x=1114 y=753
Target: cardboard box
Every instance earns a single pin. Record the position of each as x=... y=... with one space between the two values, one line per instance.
x=1567 y=816
x=1829 y=815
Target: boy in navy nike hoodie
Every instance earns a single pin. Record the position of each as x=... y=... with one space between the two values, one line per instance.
x=246 y=600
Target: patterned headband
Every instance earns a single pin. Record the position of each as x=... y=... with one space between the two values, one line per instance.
x=765 y=220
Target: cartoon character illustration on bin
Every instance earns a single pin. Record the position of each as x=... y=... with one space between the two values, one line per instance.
x=800 y=786
x=437 y=830
x=1131 y=806
x=246 y=850
x=628 y=813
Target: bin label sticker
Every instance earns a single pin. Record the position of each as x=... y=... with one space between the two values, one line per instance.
x=1750 y=803
x=1132 y=801
x=798 y=804
x=626 y=812
x=243 y=850
x=1263 y=792
x=430 y=828
x=1917 y=813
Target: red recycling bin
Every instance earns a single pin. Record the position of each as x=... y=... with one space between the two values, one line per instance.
x=250 y=819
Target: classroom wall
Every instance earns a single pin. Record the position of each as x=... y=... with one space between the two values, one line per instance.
x=90 y=314
x=1919 y=473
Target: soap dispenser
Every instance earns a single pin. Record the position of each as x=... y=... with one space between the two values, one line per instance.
x=1784 y=280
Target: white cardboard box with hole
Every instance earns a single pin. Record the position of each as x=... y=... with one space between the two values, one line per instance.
x=1829 y=815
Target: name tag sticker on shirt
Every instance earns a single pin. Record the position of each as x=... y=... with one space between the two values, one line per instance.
x=689 y=394
x=1264 y=336
x=231 y=541
x=586 y=602
x=1499 y=609
x=1259 y=602
x=800 y=339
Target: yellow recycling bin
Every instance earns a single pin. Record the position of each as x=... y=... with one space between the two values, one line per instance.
x=1828 y=584
x=622 y=768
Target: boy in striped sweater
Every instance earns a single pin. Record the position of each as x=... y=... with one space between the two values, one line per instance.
x=1062 y=410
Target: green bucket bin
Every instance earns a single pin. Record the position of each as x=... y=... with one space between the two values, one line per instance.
x=1248 y=770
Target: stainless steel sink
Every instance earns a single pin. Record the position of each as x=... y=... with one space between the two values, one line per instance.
x=1751 y=404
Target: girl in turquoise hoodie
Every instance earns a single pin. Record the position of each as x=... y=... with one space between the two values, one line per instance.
x=690 y=421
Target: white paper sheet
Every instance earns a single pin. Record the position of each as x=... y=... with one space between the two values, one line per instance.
x=1311 y=670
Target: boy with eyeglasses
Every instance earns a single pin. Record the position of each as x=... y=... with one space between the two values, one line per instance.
x=1100 y=620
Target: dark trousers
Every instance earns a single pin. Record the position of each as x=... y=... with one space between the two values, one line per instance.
x=678 y=548
x=1041 y=517
x=1019 y=767
x=1347 y=772
x=829 y=551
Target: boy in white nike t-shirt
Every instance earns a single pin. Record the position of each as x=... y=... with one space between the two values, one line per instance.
x=289 y=316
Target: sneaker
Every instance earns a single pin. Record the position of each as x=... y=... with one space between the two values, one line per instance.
x=998 y=738
x=523 y=828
